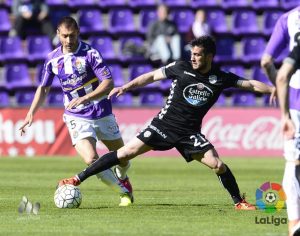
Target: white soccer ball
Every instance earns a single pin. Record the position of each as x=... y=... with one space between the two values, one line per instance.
x=67 y=196
x=270 y=197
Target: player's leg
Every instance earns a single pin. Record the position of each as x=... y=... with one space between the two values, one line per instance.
x=211 y=159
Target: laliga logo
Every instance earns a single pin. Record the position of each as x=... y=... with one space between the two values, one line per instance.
x=270 y=197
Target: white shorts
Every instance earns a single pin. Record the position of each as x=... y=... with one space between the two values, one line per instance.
x=292 y=146
x=105 y=128
x=292 y=191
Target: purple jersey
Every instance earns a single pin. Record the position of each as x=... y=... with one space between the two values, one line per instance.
x=79 y=73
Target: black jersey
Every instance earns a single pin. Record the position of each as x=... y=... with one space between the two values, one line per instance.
x=192 y=94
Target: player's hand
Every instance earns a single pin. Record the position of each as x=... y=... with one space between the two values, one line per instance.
x=118 y=91
x=287 y=128
x=75 y=102
x=27 y=122
x=273 y=97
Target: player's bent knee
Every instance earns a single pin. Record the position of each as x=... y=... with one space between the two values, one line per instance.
x=220 y=168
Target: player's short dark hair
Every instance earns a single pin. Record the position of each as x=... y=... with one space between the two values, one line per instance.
x=69 y=22
x=206 y=42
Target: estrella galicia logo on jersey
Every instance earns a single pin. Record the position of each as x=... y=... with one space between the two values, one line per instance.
x=197 y=94
x=212 y=79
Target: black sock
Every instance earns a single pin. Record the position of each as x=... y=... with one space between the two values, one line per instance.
x=228 y=181
x=102 y=163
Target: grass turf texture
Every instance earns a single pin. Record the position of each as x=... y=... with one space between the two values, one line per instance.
x=171 y=198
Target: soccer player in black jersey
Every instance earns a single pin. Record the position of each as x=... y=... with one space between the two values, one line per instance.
x=196 y=86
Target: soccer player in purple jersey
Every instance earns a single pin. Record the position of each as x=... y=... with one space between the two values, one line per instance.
x=86 y=82
x=196 y=86
x=286 y=33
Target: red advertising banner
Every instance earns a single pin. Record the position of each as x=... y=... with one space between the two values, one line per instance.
x=253 y=132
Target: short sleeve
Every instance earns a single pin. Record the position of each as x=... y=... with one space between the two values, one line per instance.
x=98 y=66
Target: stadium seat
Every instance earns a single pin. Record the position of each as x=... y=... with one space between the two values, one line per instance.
x=263 y=4
x=38 y=47
x=90 y=21
x=258 y=74
x=142 y=4
x=24 y=97
x=121 y=21
x=123 y=100
x=79 y=4
x=183 y=18
x=117 y=75
x=110 y=4
x=236 y=69
x=135 y=70
x=16 y=75
x=151 y=99
x=131 y=49
x=165 y=85
x=104 y=44
x=221 y=102
x=244 y=22
x=270 y=18
x=217 y=20
x=243 y=99
x=5 y=24
x=225 y=50
x=203 y=3
x=146 y=16
x=174 y=3
x=253 y=48
x=289 y=4
x=232 y=4
x=11 y=49
x=56 y=3
x=4 y=98
x=55 y=98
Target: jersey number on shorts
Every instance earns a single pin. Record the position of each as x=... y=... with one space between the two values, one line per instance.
x=199 y=140
x=73 y=124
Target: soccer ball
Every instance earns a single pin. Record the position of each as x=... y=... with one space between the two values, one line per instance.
x=67 y=196
x=270 y=197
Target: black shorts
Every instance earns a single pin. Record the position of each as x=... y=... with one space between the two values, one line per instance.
x=162 y=138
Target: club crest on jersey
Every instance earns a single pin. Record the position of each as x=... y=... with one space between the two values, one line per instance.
x=212 y=79
x=197 y=94
x=80 y=65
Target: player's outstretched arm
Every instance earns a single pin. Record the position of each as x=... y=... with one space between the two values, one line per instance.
x=39 y=98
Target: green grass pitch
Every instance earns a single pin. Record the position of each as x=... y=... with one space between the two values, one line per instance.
x=171 y=198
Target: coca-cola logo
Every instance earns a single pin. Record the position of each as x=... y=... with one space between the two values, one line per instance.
x=261 y=133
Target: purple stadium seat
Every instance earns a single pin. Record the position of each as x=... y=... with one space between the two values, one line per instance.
x=183 y=19
x=269 y=20
x=165 y=85
x=56 y=3
x=17 y=76
x=151 y=99
x=217 y=20
x=123 y=100
x=129 y=56
x=203 y=3
x=76 y=4
x=121 y=21
x=142 y=4
x=289 y=4
x=253 y=48
x=146 y=17
x=55 y=98
x=90 y=21
x=221 y=102
x=236 y=69
x=4 y=98
x=110 y=4
x=263 y=4
x=5 y=24
x=244 y=99
x=38 y=47
x=137 y=69
x=104 y=44
x=231 y=4
x=244 y=22
x=117 y=75
x=258 y=74
x=24 y=97
x=11 y=49
x=225 y=50
x=174 y=3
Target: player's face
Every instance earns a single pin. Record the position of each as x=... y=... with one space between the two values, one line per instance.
x=200 y=61
x=68 y=38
